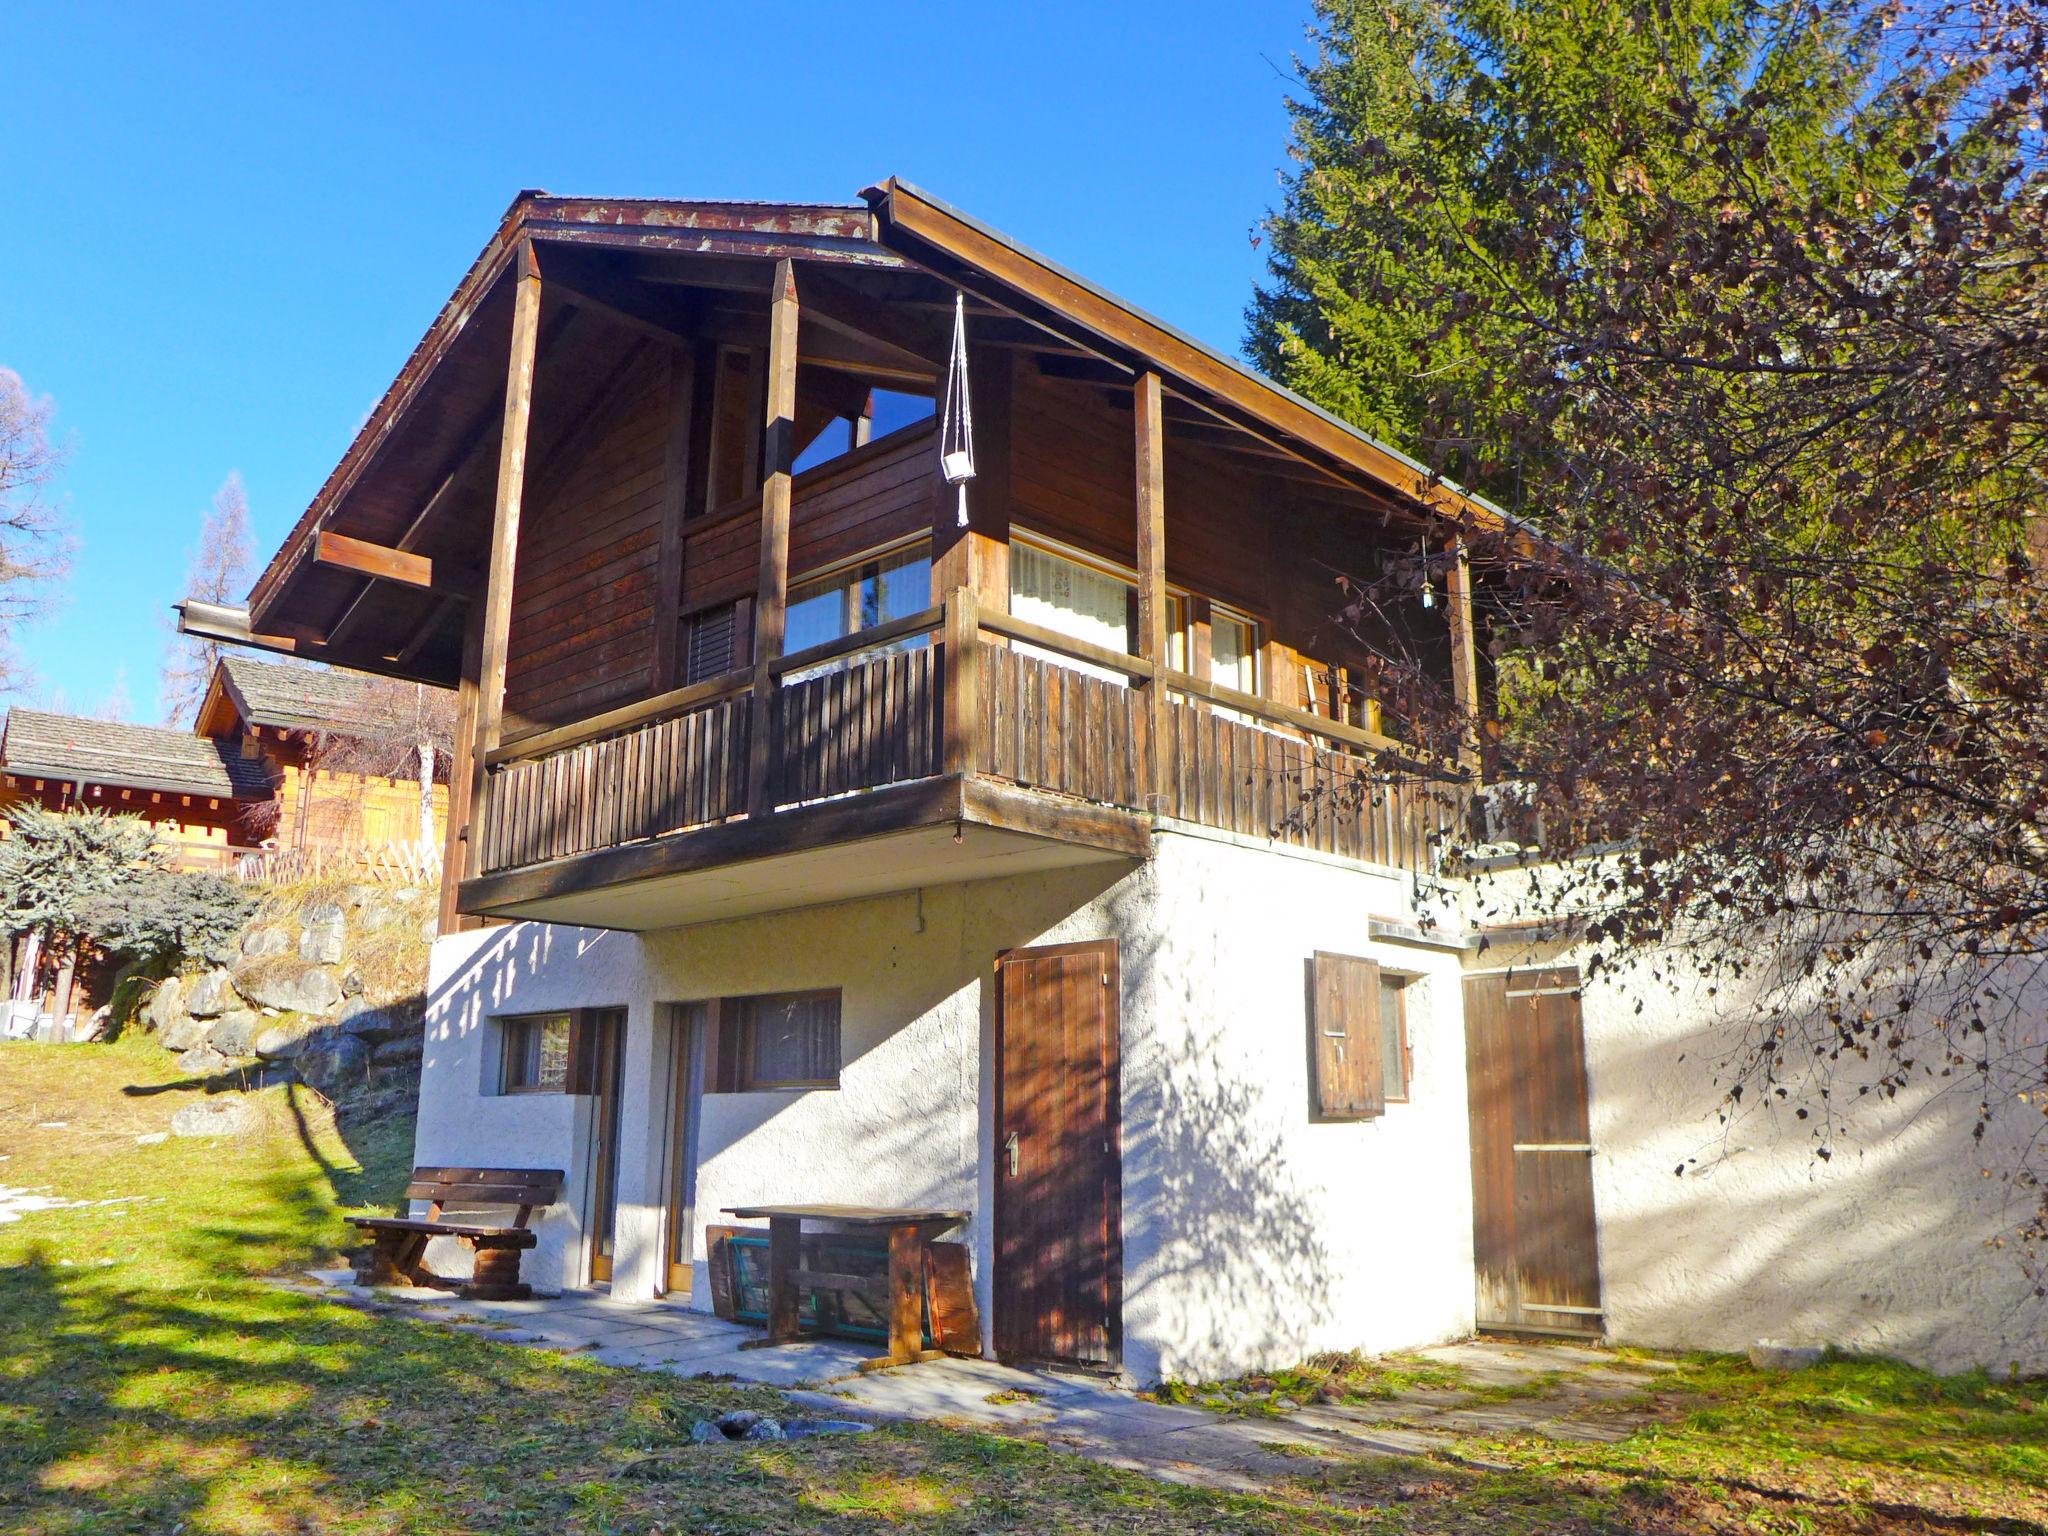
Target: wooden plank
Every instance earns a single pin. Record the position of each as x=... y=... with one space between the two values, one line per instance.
x=1148 y=427
x=1464 y=654
x=498 y=578
x=771 y=587
x=963 y=680
x=1345 y=1024
x=343 y=553
x=675 y=485
x=906 y=1292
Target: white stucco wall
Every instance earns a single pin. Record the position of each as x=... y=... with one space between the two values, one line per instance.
x=1252 y=1234
x=1888 y=1245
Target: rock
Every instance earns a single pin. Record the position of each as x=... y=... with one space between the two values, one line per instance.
x=97 y=1026
x=212 y=995
x=323 y=945
x=1778 y=1355
x=1286 y=1405
x=166 y=1005
x=803 y=1429
x=767 y=1429
x=379 y=914
x=268 y=939
x=309 y=991
x=430 y=928
x=407 y=1048
x=235 y=1034
x=331 y=1061
x=738 y=1421
x=351 y=982
x=153 y=1139
x=704 y=1432
x=202 y=1061
x=224 y=1116
x=281 y=1042
x=185 y=1033
x=369 y=1022
x=355 y=895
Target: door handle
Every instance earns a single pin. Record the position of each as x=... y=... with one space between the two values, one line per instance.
x=1011 y=1149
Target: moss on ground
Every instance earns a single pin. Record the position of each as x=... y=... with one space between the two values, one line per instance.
x=151 y=1380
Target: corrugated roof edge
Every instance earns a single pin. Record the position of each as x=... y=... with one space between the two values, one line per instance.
x=1236 y=364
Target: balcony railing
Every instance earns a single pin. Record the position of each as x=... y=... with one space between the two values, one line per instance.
x=1035 y=709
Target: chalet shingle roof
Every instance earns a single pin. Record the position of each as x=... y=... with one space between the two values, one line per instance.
x=304 y=698
x=38 y=745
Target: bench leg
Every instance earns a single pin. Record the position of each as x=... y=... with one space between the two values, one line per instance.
x=497 y=1276
x=390 y=1259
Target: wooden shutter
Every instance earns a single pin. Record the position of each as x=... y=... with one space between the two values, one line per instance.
x=1344 y=1018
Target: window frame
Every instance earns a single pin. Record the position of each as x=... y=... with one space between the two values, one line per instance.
x=734 y=1065
x=513 y=1054
x=852 y=571
x=1398 y=982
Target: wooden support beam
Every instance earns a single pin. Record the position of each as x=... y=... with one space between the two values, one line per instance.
x=1464 y=654
x=462 y=849
x=771 y=590
x=495 y=640
x=675 y=489
x=962 y=660
x=978 y=556
x=1149 y=426
x=377 y=561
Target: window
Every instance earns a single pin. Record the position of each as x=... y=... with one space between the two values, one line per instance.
x=779 y=1040
x=1233 y=650
x=859 y=596
x=1359 y=1038
x=536 y=1054
x=1394 y=1038
x=710 y=642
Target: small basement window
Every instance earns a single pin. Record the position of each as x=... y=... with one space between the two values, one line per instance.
x=536 y=1054
x=778 y=1041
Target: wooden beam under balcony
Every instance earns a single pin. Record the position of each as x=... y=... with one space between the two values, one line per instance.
x=1149 y=419
x=771 y=600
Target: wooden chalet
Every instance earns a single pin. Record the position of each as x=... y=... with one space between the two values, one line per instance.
x=658 y=493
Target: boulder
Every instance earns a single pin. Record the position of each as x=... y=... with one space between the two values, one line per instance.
x=379 y=914
x=351 y=982
x=365 y=1019
x=767 y=1429
x=235 y=1034
x=202 y=1061
x=185 y=1033
x=322 y=942
x=330 y=1061
x=212 y=995
x=405 y=1049
x=227 y=1115
x=311 y=990
x=167 y=1006
x=430 y=928
x=1779 y=1355
x=704 y=1432
x=281 y=1042
x=266 y=939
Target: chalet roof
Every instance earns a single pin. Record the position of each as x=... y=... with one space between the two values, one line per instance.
x=34 y=744
x=301 y=698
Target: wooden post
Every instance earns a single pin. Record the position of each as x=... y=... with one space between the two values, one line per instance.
x=1149 y=418
x=785 y=1257
x=906 y=1293
x=978 y=556
x=771 y=596
x=496 y=600
x=675 y=486
x=962 y=724
x=462 y=853
x=1464 y=655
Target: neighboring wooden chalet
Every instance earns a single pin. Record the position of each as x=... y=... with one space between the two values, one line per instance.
x=335 y=795
x=933 y=861
x=199 y=792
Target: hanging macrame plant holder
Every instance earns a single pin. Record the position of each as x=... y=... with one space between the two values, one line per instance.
x=956 y=418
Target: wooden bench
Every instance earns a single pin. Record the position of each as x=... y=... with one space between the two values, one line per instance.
x=399 y=1243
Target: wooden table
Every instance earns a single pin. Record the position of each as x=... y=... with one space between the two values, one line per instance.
x=909 y=1231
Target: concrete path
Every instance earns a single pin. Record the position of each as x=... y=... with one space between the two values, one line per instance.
x=1562 y=1391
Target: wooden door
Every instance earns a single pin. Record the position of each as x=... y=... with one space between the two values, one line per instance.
x=690 y=1026
x=1058 y=1284
x=1534 y=1239
x=608 y=1062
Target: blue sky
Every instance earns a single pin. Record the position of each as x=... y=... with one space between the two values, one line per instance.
x=227 y=226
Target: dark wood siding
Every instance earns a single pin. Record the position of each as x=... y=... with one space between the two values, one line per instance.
x=1535 y=1243
x=583 y=593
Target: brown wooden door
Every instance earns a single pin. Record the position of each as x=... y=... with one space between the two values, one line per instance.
x=1535 y=1244
x=607 y=1041
x=1058 y=1285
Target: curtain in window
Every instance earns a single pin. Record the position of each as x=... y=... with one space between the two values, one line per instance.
x=1080 y=602
x=1232 y=657
x=790 y=1039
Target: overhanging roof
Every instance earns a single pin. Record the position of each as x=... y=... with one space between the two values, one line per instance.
x=38 y=745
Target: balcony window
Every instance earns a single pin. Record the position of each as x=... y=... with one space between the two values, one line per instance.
x=872 y=591
x=1233 y=650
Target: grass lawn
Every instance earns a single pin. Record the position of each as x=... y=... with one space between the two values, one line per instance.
x=151 y=1382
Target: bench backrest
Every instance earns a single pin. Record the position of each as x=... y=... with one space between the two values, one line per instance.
x=526 y=1188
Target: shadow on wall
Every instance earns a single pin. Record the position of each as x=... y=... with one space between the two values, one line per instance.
x=1227 y=1268
x=1889 y=1244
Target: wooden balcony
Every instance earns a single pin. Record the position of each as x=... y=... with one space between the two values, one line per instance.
x=939 y=748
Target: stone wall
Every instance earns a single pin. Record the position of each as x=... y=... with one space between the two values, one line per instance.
x=329 y=985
